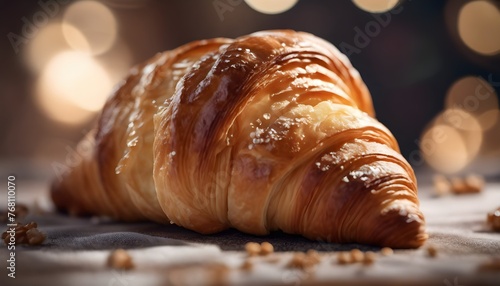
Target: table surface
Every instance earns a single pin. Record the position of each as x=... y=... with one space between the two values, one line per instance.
x=76 y=250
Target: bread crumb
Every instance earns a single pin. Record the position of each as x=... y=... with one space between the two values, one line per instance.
x=493 y=219
x=344 y=258
x=387 y=251
x=469 y=184
x=304 y=260
x=313 y=255
x=297 y=260
x=441 y=185
x=252 y=248
x=431 y=251
x=247 y=265
x=475 y=183
x=34 y=236
x=357 y=255
x=458 y=185
x=24 y=234
x=369 y=258
x=266 y=248
x=120 y=259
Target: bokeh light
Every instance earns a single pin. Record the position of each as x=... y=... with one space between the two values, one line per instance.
x=458 y=119
x=444 y=149
x=89 y=26
x=271 y=6
x=75 y=38
x=479 y=26
x=475 y=96
x=376 y=6
x=466 y=125
x=74 y=58
x=48 y=42
x=60 y=110
x=72 y=87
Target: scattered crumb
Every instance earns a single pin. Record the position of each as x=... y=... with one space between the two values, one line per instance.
x=313 y=256
x=34 y=236
x=344 y=258
x=387 y=251
x=441 y=185
x=458 y=185
x=469 y=184
x=475 y=183
x=493 y=219
x=304 y=260
x=266 y=248
x=120 y=259
x=247 y=265
x=357 y=255
x=431 y=251
x=252 y=248
x=492 y=265
x=24 y=234
x=369 y=258
x=297 y=260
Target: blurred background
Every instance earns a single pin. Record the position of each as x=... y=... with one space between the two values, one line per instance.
x=433 y=68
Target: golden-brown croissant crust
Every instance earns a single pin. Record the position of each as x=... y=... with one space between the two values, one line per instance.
x=270 y=131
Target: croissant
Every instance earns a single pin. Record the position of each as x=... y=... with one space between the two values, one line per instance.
x=270 y=131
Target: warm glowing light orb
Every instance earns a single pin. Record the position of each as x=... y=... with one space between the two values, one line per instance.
x=48 y=42
x=466 y=125
x=89 y=26
x=271 y=6
x=479 y=26
x=72 y=87
x=444 y=149
x=376 y=6
x=475 y=96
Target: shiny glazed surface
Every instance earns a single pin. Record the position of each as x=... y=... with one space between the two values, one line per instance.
x=270 y=131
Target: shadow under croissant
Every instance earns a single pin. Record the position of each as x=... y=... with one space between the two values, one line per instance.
x=71 y=233
x=233 y=239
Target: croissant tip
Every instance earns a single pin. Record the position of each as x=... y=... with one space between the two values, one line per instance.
x=416 y=242
x=414 y=236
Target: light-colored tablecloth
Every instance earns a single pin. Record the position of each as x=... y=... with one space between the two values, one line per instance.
x=76 y=251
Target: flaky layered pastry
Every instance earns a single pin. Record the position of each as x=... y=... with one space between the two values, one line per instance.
x=270 y=131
